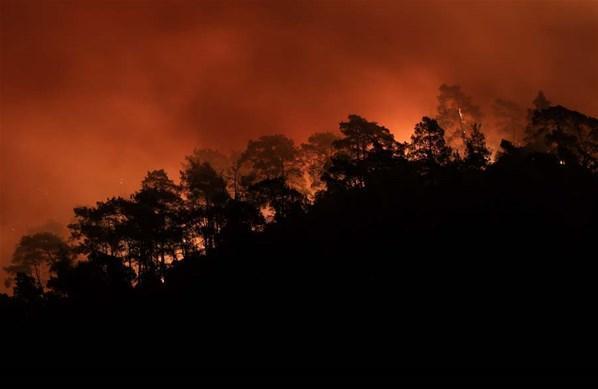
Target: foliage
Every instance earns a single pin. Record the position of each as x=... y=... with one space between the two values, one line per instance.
x=428 y=144
x=36 y=255
x=398 y=236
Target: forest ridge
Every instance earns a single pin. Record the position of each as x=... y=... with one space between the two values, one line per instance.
x=353 y=220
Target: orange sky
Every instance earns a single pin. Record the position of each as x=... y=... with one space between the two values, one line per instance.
x=95 y=93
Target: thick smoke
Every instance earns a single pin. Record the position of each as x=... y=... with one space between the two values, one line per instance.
x=95 y=93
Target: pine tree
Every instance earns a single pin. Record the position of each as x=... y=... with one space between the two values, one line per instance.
x=477 y=154
x=428 y=144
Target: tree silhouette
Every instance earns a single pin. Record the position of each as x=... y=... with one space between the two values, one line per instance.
x=153 y=222
x=36 y=255
x=102 y=277
x=27 y=288
x=364 y=148
x=477 y=154
x=238 y=175
x=275 y=193
x=273 y=156
x=399 y=235
x=541 y=102
x=361 y=137
x=102 y=229
x=316 y=153
x=569 y=134
x=207 y=197
x=427 y=143
x=275 y=178
x=202 y=184
x=533 y=137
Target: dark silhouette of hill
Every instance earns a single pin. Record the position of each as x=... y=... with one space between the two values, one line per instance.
x=411 y=255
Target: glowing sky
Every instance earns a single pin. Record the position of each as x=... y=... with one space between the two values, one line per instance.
x=95 y=93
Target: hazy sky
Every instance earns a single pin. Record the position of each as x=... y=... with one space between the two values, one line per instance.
x=95 y=93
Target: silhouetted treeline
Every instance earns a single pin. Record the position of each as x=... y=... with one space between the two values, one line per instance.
x=352 y=248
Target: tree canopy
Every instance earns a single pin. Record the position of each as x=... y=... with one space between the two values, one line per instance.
x=388 y=239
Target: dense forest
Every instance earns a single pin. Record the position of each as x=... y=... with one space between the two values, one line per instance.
x=350 y=249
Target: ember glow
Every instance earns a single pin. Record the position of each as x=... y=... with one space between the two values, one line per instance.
x=96 y=93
